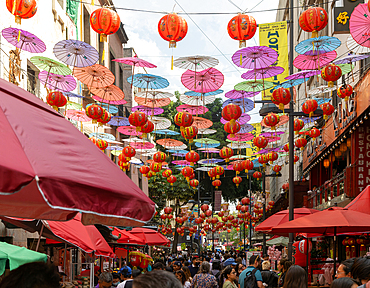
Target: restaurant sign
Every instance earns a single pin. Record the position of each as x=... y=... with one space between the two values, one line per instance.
x=362 y=151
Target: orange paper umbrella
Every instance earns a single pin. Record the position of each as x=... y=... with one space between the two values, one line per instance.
x=202 y=123
x=96 y=76
x=108 y=94
x=153 y=103
x=169 y=142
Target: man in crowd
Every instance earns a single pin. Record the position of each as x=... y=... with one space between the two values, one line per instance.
x=105 y=280
x=176 y=266
x=194 y=267
x=254 y=263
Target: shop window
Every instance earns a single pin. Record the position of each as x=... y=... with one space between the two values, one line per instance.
x=86 y=26
x=364 y=66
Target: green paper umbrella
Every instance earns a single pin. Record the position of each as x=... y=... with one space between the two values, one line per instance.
x=238 y=157
x=346 y=68
x=207 y=141
x=50 y=65
x=116 y=152
x=253 y=85
x=73 y=105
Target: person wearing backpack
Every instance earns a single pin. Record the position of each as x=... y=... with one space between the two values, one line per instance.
x=251 y=277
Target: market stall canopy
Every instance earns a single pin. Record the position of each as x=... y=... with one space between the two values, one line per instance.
x=278 y=241
x=127 y=237
x=45 y=175
x=150 y=236
x=361 y=203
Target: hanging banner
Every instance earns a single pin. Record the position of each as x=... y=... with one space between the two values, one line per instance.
x=255 y=132
x=275 y=36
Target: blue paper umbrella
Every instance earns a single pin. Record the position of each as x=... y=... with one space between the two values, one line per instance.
x=177 y=151
x=177 y=154
x=309 y=119
x=115 y=147
x=119 y=121
x=210 y=161
x=291 y=83
x=192 y=93
x=206 y=145
x=245 y=128
x=69 y=94
x=148 y=81
x=317 y=45
x=166 y=132
x=245 y=104
x=321 y=100
x=256 y=164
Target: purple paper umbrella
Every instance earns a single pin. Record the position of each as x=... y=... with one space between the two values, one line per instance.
x=181 y=162
x=263 y=73
x=234 y=94
x=76 y=53
x=303 y=74
x=193 y=110
x=241 y=137
x=271 y=134
x=244 y=118
x=178 y=154
x=245 y=128
x=57 y=82
x=204 y=81
x=148 y=110
x=27 y=41
x=255 y=57
x=314 y=62
x=273 y=139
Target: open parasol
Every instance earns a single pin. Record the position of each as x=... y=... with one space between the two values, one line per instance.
x=241 y=137
x=354 y=47
x=309 y=62
x=359 y=25
x=70 y=94
x=73 y=105
x=148 y=110
x=239 y=145
x=253 y=86
x=321 y=90
x=76 y=53
x=151 y=97
x=160 y=123
x=142 y=145
x=196 y=100
x=102 y=100
x=27 y=41
x=234 y=94
x=178 y=154
x=176 y=148
x=195 y=63
x=103 y=136
x=204 y=81
x=110 y=94
x=271 y=133
x=96 y=76
x=202 y=123
x=153 y=103
x=193 y=110
x=119 y=121
x=262 y=73
x=182 y=162
x=110 y=108
x=291 y=83
x=148 y=82
x=128 y=130
x=245 y=104
x=169 y=143
x=210 y=161
x=244 y=118
x=351 y=58
x=192 y=93
x=50 y=65
x=245 y=128
x=166 y=132
x=57 y=82
x=255 y=57
x=318 y=45
x=77 y=115
x=206 y=131
x=114 y=147
x=207 y=145
x=303 y=74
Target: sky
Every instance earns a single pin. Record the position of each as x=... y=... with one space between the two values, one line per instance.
x=142 y=31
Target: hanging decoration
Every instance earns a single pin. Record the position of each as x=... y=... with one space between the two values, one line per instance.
x=172 y=179
x=216 y=183
x=105 y=22
x=194 y=183
x=327 y=109
x=187 y=172
x=281 y=97
x=189 y=133
x=159 y=157
x=331 y=73
x=314 y=133
x=309 y=107
x=94 y=112
x=300 y=143
x=128 y=152
x=226 y=153
x=167 y=173
x=286 y=148
x=313 y=20
x=183 y=119
x=147 y=128
x=144 y=170
x=22 y=9
x=232 y=128
x=345 y=91
x=137 y=119
x=271 y=120
x=231 y=112
x=242 y=27
x=257 y=175
x=172 y=28
x=298 y=125
x=56 y=100
x=237 y=180
x=192 y=157
x=276 y=169
x=260 y=142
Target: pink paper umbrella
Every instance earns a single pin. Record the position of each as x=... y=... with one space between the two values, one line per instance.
x=181 y=162
x=263 y=73
x=108 y=94
x=359 y=25
x=57 y=82
x=271 y=134
x=234 y=94
x=244 y=118
x=148 y=110
x=77 y=115
x=204 y=81
x=272 y=139
x=255 y=57
x=241 y=137
x=193 y=110
x=142 y=145
x=27 y=41
x=303 y=74
x=119 y=102
x=128 y=130
x=308 y=62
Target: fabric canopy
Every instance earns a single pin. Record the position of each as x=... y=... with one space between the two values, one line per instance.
x=49 y=170
x=150 y=236
x=278 y=241
x=127 y=237
x=361 y=203
x=17 y=256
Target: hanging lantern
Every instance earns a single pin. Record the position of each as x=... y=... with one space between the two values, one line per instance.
x=296 y=158
x=144 y=170
x=309 y=107
x=313 y=20
x=22 y=9
x=232 y=128
x=242 y=27
x=192 y=157
x=343 y=147
x=286 y=147
x=212 y=174
x=105 y=118
x=231 y=112
x=348 y=142
x=337 y=153
x=93 y=139
x=237 y=167
x=260 y=142
x=155 y=167
x=216 y=183
x=186 y=172
x=300 y=143
x=194 y=183
x=326 y=163
x=276 y=169
x=189 y=133
x=124 y=166
x=281 y=96
x=204 y=207
x=272 y=156
x=94 y=112
x=172 y=179
x=298 y=125
x=345 y=91
x=172 y=28
x=257 y=175
x=226 y=153
x=147 y=128
x=105 y=22
x=314 y=133
x=247 y=165
x=331 y=73
x=183 y=119
x=138 y=119
x=159 y=157
x=285 y=186
x=271 y=120
x=56 y=99
x=263 y=159
x=219 y=171
x=237 y=180
x=327 y=109
x=167 y=173
x=150 y=174
x=102 y=144
x=128 y=152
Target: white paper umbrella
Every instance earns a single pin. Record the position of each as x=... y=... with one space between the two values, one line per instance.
x=353 y=46
x=160 y=123
x=321 y=90
x=206 y=131
x=153 y=94
x=238 y=145
x=182 y=147
x=195 y=63
x=197 y=100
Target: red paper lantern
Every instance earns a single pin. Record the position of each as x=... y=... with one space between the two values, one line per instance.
x=144 y=170
x=128 y=152
x=138 y=119
x=226 y=153
x=216 y=183
x=105 y=118
x=327 y=109
x=189 y=133
x=296 y=158
x=135 y=258
x=247 y=165
x=260 y=142
x=300 y=143
x=102 y=144
x=105 y=22
x=242 y=27
x=56 y=99
x=286 y=147
x=309 y=107
x=237 y=166
x=172 y=28
x=168 y=210
x=172 y=179
x=94 y=112
x=93 y=139
x=192 y=176
x=194 y=183
x=159 y=157
x=263 y=159
x=313 y=19
x=314 y=133
x=345 y=91
x=232 y=128
x=167 y=173
x=257 y=175
x=245 y=201
x=186 y=172
x=219 y=171
x=212 y=173
x=22 y=9
x=271 y=120
x=281 y=97
x=237 y=180
x=272 y=156
x=231 y=112
x=276 y=169
x=147 y=128
x=298 y=125
x=155 y=167
x=192 y=157
x=331 y=73
x=285 y=186
x=204 y=207
x=183 y=119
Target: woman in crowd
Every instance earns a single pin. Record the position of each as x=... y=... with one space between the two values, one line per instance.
x=270 y=278
x=187 y=275
x=228 y=278
x=361 y=270
x=203 y=279
x=283 y=267
x=181 y=276
x=216 y=268
x=344 y=282
x=296 y=277
x=239 y=269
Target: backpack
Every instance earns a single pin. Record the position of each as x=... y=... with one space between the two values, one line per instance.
x=250 y=280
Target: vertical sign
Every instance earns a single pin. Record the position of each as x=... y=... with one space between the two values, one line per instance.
x=362 y=140
x=255 y=132
x=274 y=35
x=218 y=195
x=342 y=12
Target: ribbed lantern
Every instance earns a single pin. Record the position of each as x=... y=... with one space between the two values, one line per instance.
x=242 y=27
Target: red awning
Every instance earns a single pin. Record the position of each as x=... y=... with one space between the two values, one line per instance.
x=49 y=170
x=150 y=236
x=362 y=202
x=127 y=237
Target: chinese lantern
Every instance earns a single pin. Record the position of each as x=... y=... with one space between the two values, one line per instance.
x=172 y=179
x=94 y=112
x=231 y=112
x=237 y=166
x=150 y=174
x=105 y=22
x=138 y=119
x=56 y=99
x=260 y=142
x=271 y=120
x=309 y=107
x=263 y=160
x=124 y=166
x=345 y=91
x=194 y=183
x=296 y=158
x=167 y=173
x=282 y=97
x=105 y=118
x=226 y=153
x=314 y=133
x=219 y=171
x=93 y=139
x=276 y=169
x=298 y=125
x=22 y=9
x=326 y=163
x=313 y=20
x=300 y=143
x=348 y=142
x=159 y=157
x=232 y=128
x=183 y=119
x=155 y=167
x=247 y=165
x=331 y=73
x=327 y=109
x=285 y=186
x=204 y=207
x=186 y=172
x=257 y=175
x=212 y=174
x=172 y=28
x=242 y=27
x=192 y=157
x=128 y=152
x=286 y=147
x=216 y=183
x=189 y=133
x=302 y=246
x=144 y=170
x=343 y=147
x=102 y=144
x=147 y=128
x=272 y=156
x=237 y=180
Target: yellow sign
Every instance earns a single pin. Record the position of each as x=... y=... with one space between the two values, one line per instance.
x=342 y=18
x=274 y=35
x=257 y=131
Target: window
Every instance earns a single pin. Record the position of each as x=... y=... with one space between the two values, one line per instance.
x=113 y=66
x=86 y=26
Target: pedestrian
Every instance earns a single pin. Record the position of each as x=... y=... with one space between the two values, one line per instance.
x=296 y=277
x=361 y=270
x=155 y=279
x=125 y=273
x=216 y=268
x=239 y=269
x=158 y=266
x=344 y=282
x=176 y=266
x=116 y=277
x=283 y=267
x=203 y=279
x=269 y=278
x=194 y=267
x=251 y=275
x=105 y=280
x=344 y=269
x=227 y=278
x=182 y=278
x=128 y=282
x=187 y=274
